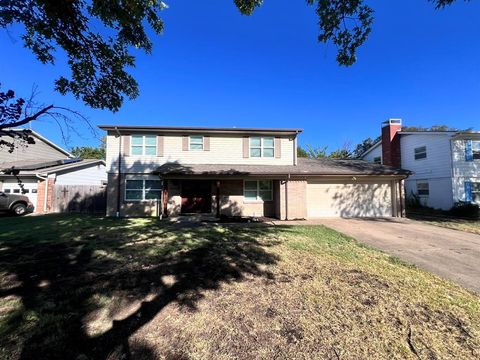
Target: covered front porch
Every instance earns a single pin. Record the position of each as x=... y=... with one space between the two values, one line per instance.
x=254 y=197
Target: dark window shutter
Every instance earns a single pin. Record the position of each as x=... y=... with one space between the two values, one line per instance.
x=468 y=191
x=468 y=150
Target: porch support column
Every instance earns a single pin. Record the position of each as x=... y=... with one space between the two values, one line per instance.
x=217 y=198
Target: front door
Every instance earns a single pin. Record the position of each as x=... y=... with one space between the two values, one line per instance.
x=196 y=196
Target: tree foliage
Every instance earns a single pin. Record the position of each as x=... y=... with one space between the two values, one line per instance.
x=315 y=152
x=432 y=128
x=98 y=38
x=16 y=112
x=97 y=58
x=89 y=152
x=364 y=145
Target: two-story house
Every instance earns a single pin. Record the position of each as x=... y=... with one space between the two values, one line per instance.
x=42 y=165
x=445 y=165
x=155 y=171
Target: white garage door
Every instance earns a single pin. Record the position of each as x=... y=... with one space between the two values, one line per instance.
x=349 y=198
x=29 y=186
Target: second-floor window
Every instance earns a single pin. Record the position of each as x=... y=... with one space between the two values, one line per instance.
x=144 y=145
x=420 y=152
x=423 y=189
x=262 y=146
x=196 y=142
x=476 y=150
x=377 y=160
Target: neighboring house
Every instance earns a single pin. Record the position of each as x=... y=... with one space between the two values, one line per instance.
x=445 y=165
x=242 y=172
x=45 y=162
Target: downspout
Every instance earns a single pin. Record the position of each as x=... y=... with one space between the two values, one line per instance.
x=119 y=182
x=45 y=193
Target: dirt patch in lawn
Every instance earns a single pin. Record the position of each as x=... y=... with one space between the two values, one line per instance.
x=92 y=288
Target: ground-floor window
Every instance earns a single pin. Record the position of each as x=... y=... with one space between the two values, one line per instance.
x=258 y=190
x=423 y=189
x=142 y=189
x=472 y=191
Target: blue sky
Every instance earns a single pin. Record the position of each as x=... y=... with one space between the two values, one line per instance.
x=215 y=67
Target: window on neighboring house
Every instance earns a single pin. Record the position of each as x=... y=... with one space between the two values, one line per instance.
x=420 y=153
x=7 y=191
x=141 y=190
x=476 y=192
x=377 y=159
x=476 y=150
x=16 y=191
x=262 y=146
x=144 y=145
x=196 y=142
x=34 y=191
x=423 y=188
x=261 y=190
x=26 y=191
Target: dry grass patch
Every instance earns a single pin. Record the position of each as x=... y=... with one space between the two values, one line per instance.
x=146 y=290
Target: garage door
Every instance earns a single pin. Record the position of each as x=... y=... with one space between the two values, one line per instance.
x=29 y=189
x=349 y=199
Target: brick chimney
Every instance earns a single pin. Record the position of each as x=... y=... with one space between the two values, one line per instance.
x=391 y=142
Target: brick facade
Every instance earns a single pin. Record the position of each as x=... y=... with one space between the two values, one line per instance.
x=293 y=193
x=40 y=205
x=391 y=154
x=127 y=208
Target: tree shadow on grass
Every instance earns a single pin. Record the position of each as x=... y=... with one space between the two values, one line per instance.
x=59 y=275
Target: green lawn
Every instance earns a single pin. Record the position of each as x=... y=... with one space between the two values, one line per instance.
x=80 y=287
x=472 y=226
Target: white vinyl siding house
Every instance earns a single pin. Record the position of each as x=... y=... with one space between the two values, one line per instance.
x=373 y=153
x=465 y=168
x=444 y=165
x=428 y=157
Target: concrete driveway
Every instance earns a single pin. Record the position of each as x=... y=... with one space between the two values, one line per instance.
x=451 y=254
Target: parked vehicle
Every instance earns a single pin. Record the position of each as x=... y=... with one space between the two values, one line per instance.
x=17 y=204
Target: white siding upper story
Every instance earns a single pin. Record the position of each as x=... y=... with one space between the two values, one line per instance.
x=373 y=154
x=445 y=167
x=223 y=149
x=438 y=162
x=92 y=175
x=462 y=167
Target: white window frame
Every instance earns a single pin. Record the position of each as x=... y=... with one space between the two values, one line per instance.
x=475 y=143
x=476 y=193
x=427 y=188
x=143 y=190
x=262 y=147
x=415 y=153
x=194 y=143
x=144 y=145
x=258 y=198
